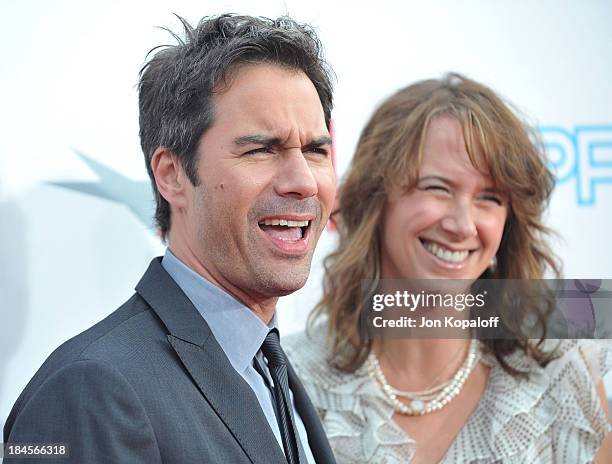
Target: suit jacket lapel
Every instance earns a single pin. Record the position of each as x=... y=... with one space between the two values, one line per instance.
x=224 y=389
x=319 y=445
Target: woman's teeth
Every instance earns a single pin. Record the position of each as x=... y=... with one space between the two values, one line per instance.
x=445 y=254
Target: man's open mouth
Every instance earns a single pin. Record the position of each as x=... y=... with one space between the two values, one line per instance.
x=285 y=229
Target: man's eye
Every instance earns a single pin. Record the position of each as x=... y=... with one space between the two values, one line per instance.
x=258 y=150
x=319 y=151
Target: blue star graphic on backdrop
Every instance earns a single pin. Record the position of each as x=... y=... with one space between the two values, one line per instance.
x=113 y=186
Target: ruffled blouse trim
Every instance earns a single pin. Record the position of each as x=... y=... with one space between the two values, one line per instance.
x=510 y=417
x=513 y=411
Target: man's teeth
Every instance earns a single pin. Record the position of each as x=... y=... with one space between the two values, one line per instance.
x=446 y=254
x=284 y=222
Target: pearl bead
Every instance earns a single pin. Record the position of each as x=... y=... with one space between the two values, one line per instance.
x=423 y=402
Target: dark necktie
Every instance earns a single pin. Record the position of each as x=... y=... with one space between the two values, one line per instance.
x=277 y=364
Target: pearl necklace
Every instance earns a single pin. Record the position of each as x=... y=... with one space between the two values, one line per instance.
x=429 y=400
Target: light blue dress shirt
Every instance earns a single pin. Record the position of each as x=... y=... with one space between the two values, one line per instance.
x=240 y=333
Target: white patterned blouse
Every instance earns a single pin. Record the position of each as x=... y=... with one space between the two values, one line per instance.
x=553 y=417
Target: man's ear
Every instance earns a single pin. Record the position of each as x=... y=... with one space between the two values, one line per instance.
x=170 y=177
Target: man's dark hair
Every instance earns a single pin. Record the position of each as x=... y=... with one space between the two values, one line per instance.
x=177 y=84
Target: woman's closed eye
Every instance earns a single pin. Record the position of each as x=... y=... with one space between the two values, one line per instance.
x=434 y=188
x=493 y=198
x=488 y=197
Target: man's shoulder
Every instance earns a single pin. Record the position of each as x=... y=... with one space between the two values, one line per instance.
x=121 y=332
x=114 y=341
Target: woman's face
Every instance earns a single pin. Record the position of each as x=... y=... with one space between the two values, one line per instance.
x=451 y=224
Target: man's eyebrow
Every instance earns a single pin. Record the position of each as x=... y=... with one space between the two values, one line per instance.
x=257 y=139
x=269 y=141
x=319 y=141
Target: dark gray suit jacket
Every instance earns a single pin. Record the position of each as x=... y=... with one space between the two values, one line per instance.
x=150 y=384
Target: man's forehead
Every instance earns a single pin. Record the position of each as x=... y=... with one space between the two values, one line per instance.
x=268 y=100
x=253 y=78
x=242 y=70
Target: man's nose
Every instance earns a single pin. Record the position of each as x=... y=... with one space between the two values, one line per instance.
x=294 y=177
x=459 y=220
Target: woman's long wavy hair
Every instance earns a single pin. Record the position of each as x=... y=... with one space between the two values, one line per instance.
x=388 y=156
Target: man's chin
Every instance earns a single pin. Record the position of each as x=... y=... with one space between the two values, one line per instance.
x=287 y=288
x=283 y=283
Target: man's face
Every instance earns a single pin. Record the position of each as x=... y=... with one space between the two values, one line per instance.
x=267 y=183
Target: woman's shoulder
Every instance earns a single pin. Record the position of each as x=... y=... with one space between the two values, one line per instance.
x=571 y=361
x=578 y=366
x=329 y=387
x=574 y=380
x=307 y=349
x=314 y=336
x=556 y=404
x=570 y=379
x=309 y=354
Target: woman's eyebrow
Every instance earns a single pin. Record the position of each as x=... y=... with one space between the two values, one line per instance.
x=434 y=177
x=489 y=188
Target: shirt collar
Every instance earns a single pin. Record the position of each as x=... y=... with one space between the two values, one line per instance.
x=237 y=329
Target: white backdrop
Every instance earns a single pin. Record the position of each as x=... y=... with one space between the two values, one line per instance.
x=67 y=81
